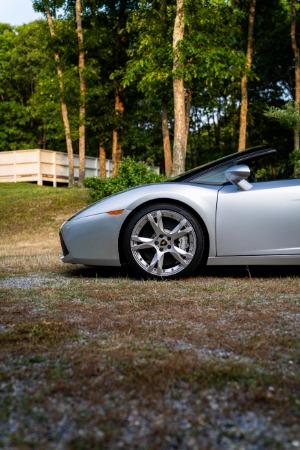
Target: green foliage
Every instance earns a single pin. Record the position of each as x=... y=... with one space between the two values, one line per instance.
x=20 y=63
x=288 y=115
x=128 y=49
x=261 y=174
x=295 y=162
x=131 y=173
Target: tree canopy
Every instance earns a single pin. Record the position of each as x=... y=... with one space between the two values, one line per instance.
x=129 y=75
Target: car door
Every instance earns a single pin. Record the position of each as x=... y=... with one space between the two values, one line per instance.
x=264 y=220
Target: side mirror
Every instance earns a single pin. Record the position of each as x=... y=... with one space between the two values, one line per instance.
x=237 y=175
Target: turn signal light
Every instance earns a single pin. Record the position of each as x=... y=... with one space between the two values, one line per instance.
x=115 y=213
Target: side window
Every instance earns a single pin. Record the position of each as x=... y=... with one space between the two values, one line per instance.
x=270 y=168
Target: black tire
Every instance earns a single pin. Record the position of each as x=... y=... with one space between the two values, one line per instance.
x=163 y=241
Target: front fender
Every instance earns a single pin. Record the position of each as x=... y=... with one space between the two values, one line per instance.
x=200 y=200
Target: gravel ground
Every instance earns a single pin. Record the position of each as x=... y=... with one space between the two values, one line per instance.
x=33 y=281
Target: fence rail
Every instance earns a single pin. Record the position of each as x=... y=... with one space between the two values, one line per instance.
x=44 y=165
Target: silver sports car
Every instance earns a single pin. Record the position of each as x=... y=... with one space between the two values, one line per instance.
x=222 y=213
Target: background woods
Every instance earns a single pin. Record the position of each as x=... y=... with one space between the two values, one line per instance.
x=173 y=83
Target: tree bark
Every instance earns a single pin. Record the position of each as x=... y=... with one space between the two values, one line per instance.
x=165 y=121
x=178 y=92
x=82 y=107
x=166 y=139
x=244 y=81
x=116 y=146
x=64 y=109
x=102 y=159
x=188 y=105
x=297 y=69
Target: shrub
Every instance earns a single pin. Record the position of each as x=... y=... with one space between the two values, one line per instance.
x=295 y=161
x=130 y=174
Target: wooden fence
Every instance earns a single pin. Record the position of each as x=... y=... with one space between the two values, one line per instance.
x=44 y=165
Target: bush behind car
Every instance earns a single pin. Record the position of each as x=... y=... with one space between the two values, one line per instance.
x=130 y=173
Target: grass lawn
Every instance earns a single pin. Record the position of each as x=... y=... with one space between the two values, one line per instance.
x=92 y=359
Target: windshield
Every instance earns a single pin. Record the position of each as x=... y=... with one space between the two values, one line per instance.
x=189 y=173
x=213 y=176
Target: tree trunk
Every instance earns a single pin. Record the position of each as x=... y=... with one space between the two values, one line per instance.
x=297 y=69
x=165 y=121
x=116 y=146
x=166 y=139
x=244 y=81
x=81 y=66
x=116 y=153
x=102 y=159
x=188 y=105
x=178 y=92
x=64 y=109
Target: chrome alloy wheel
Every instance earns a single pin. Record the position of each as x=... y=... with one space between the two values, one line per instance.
x=163 y=242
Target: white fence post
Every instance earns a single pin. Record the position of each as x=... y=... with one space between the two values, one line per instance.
x=39 y=168
x=15 y=167
x=54 y=169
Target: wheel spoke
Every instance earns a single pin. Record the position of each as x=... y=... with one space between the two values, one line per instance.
x=158 y=226
x=183 y=253
x=141 y=243
x=178 y=232
x=160 y=264
x=181 y=256
x=157 y=261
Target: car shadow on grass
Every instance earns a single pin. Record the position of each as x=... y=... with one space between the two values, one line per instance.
x=79 y=271
x=251 y=271
x=214 y=272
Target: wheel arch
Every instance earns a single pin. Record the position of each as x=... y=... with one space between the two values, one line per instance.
x=177 y=203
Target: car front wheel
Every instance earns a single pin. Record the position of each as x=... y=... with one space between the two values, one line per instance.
x=163 y=240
